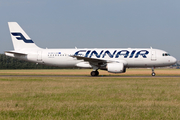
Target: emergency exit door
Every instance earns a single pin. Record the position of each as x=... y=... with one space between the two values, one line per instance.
x=153 y=55
x=39 y=56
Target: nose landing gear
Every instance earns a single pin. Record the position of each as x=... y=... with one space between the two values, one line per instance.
x=153 y=73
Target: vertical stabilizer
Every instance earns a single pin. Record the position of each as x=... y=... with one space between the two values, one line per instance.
x=19 y=38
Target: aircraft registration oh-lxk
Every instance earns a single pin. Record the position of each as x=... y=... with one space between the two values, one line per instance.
x=112 y=60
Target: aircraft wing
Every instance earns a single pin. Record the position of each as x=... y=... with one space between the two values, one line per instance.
x=98 y=62
x=92 y=60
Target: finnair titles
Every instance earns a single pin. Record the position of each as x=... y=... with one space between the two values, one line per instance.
x=111 y=60
x=116 y=54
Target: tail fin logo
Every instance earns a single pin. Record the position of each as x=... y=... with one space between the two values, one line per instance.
x=21 y=37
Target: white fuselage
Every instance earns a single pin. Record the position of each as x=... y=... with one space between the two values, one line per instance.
x=129 y=57
x=112 y=60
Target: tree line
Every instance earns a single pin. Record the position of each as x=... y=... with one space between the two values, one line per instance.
x=13 y=63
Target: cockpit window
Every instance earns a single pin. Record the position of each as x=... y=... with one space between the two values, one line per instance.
x=165 y=54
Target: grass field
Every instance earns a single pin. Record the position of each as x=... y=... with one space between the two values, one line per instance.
x=88 y=97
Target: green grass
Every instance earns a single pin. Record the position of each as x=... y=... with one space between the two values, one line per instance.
x=89 y=98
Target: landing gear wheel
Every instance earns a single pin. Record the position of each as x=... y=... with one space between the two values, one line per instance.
x=153 y=74
x=97 y=73
x=94 y=73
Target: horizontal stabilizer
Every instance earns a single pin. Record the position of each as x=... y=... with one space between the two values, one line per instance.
x=14 y=52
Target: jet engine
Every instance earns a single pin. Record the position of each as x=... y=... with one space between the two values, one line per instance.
x=116 y=68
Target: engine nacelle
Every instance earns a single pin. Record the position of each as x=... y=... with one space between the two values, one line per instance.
x=116 y=68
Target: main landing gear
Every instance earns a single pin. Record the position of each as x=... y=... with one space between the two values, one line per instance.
x=153 y=73
x=94 y=73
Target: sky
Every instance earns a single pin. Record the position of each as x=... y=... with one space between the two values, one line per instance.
x=94 y=23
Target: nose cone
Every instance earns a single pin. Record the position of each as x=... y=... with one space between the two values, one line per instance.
x=173 y=60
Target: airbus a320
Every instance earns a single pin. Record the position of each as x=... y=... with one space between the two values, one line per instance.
x=114 y=60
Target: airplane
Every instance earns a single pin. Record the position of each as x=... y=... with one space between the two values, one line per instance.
x=114 y=60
